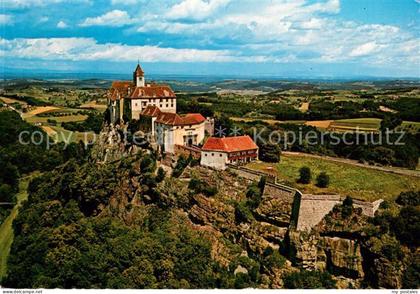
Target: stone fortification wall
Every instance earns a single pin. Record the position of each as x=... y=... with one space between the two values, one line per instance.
x=303 y=211
x=313 y=208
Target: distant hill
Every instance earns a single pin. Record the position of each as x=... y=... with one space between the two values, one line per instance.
x=210 y=84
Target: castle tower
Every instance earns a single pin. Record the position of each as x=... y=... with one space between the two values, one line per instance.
x=138 y=76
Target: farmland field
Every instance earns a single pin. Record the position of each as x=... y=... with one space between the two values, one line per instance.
x=59 y=119
x=368 y=124
x=345 y=179
x=11 y=101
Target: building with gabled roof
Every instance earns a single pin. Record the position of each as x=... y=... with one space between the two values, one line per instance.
x=127 y=99
x=218 y=152
x=170 y=129
x=154 y=106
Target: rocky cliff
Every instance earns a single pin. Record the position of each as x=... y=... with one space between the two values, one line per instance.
x=337 y=244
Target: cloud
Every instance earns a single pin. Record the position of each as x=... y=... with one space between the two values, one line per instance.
x=282 y=31
x=43 y=19
x=195 y=9
x=114 y=18
x=32 y=3
x=124 y=2
x=364 y=49
x=78 y=49
x=62 y=25
x=6 y=19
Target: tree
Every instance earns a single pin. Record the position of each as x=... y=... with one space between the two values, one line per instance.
x=6 y=193
x=309 y=280
x=411 y=277
x=390 y=123
x=269 y=152
x=224 y=124
x=242 y=213
x=323 y=180
x=304 y=175
x=160 y=175
x=254 y=196
x=407 y=226
x=261 y=183
x=409 y=198
x=347 y=207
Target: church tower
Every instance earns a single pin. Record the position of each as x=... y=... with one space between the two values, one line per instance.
x=138 y=76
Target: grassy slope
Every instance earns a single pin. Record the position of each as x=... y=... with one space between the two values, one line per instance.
x=66 y=135
x=345 y=179
x=6 y=230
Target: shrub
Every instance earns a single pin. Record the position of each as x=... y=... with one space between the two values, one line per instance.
x=347 y=208
x=254 y=195
x=309 y=280
x=409 y=198
x=147 y=164
x=194 y=162
x=261 y=183
x=209 y=190
x=407 y=226
x=194 y=184
x=6 y=193
x=304 y=175
x=242 y=213
x=199 y=186
x=411 y=277
x=348 y=201
x=323 y=180
x=160 y=175
x=272 y=258
x=269 y=153
x=181 y=164
x=384 y=205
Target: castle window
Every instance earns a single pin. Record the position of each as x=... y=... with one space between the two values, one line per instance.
x=220 y=155
x=212 y=154
x=167 y=105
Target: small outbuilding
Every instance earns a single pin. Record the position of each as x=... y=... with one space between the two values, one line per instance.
x=218 y=152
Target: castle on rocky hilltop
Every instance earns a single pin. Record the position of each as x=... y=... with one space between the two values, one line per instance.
x=154 y=107
x=127 y=99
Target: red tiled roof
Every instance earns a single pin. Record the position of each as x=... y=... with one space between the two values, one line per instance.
x=151 y=110
x=121 y=84
x=152 y=91
x=139 y=70
x=229 y=144
x=120 y=89
x=168 y=118
x=193 y=118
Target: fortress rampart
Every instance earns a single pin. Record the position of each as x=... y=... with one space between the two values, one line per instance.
x=304 y=210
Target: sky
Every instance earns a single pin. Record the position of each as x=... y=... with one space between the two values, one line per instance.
x=284 y=38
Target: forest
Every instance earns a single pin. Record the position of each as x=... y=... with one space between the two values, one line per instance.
x=19 y=159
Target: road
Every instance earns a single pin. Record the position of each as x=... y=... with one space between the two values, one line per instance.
x=389 y=169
